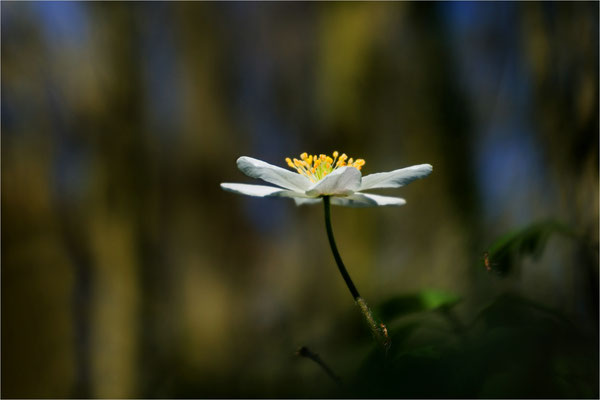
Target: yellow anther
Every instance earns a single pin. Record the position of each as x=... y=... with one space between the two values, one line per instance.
x=316 y=168
x=359 y=163
x=335 y=154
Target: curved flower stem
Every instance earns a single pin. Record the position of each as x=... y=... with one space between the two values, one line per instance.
x=379 y=332
x=336 y=254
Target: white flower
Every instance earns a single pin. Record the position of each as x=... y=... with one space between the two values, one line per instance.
x=339 y=178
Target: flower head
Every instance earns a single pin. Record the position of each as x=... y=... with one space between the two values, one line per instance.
x=338 y=177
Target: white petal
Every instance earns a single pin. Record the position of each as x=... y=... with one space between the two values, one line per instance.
x=301 y=201
x=341 y=182
x=260 y=190
x=395 y=179
x=367 y=200
x=270 y=173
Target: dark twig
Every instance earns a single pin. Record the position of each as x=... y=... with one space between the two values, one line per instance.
x=305 y=352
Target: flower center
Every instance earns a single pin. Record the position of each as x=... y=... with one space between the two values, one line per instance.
x=316 y=168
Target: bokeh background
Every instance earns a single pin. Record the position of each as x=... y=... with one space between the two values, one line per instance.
x=128 y=272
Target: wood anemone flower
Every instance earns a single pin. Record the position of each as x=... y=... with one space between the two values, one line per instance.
x=318 y=176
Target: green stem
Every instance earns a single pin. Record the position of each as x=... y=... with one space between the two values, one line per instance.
x=336 y=254
x=379 y=332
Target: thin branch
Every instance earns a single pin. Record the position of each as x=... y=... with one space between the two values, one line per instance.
x=305 y=352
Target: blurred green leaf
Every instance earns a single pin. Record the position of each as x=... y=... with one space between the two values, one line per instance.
x=515 y=348
x=514 y=310
x=506 y=252
x=425 y=300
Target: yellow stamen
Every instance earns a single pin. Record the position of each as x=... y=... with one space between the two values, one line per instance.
x=316 y=167
x=342 y=160
x=359 y=163
x=300 y=166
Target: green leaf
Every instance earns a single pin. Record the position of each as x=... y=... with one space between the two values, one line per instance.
x=514 y=310
x=506 y=252
x=425 y=300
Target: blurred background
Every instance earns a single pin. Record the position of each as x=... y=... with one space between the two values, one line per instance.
x=127 y=271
